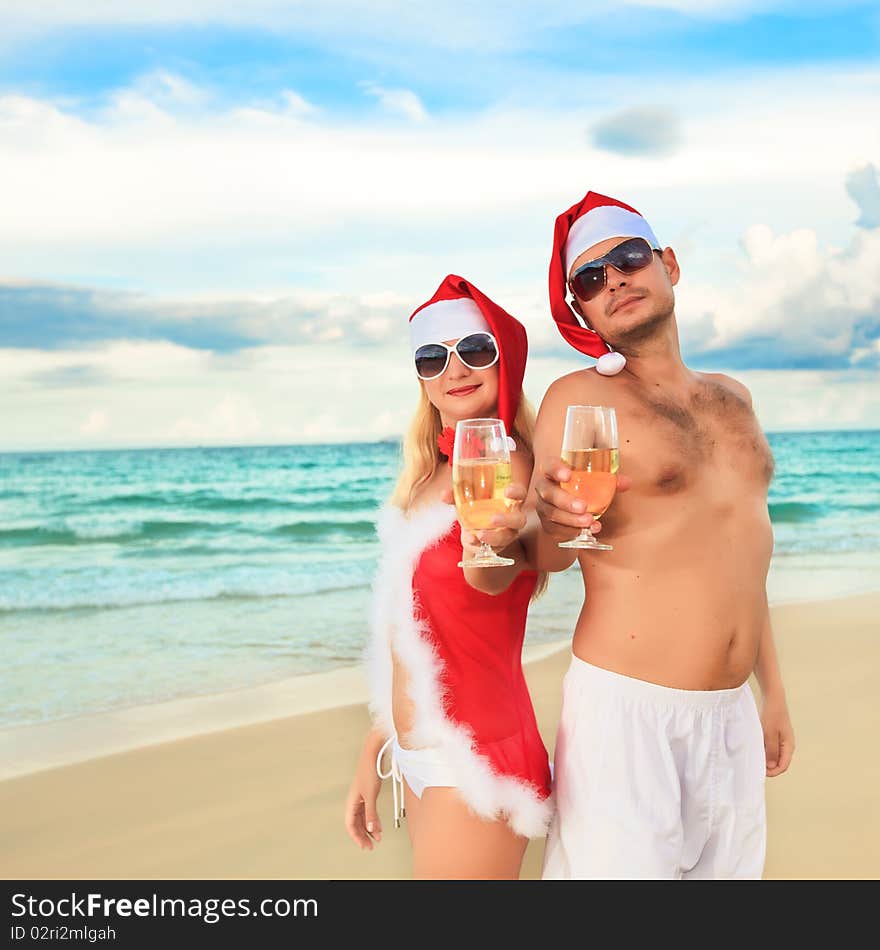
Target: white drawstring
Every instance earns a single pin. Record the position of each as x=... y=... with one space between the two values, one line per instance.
x=396 y=779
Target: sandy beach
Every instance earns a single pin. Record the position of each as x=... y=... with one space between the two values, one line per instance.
x=264 y=799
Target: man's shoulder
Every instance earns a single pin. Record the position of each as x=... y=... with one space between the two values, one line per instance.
x=580 y=381
x=731 y=384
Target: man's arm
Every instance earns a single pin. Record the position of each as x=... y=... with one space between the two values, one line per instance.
x=552 y=514
x=531 y=533
x=775 y=720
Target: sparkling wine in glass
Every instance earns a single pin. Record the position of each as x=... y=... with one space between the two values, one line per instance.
x=590 y=450
x=480 y=474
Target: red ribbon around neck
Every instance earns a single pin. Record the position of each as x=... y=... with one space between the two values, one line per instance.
x=446 y=442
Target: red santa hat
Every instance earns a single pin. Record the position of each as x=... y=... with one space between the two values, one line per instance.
x=458 y=308
x=593 y=219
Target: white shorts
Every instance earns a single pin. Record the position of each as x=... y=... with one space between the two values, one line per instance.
x=655 y=782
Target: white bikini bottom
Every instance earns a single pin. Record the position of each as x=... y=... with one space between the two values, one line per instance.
x=422 y=768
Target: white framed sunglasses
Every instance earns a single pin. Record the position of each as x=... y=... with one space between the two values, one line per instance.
x=476 y=351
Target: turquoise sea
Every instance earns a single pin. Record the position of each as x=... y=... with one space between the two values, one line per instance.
x=128 y=577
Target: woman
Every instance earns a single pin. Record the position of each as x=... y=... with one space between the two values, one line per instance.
x=449 y=699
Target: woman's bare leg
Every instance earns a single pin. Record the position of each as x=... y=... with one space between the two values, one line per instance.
x=450 y=841
x=413 y=811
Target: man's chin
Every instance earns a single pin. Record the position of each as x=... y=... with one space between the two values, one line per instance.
x=637 y=329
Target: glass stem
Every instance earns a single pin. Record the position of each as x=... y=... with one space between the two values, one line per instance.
x=587 y=535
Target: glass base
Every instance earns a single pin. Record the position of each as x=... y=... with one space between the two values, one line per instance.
x=586 y=541
x=585 y=545
x=494 y=561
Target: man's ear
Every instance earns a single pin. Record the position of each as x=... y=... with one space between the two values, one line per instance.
x=670 y=262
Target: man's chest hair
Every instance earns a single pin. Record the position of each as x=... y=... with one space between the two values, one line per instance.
x=712 y=426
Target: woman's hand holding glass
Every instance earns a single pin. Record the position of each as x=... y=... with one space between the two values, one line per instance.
x=505 y=528
x=481 y=476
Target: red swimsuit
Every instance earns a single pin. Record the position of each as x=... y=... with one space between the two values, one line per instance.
x=462 y=651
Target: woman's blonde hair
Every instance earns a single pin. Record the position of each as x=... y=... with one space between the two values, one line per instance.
x=421 y=456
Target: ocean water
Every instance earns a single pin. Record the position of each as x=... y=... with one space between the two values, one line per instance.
x=129 y=577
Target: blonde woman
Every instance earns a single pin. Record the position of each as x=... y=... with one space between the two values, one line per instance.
x=449 y=699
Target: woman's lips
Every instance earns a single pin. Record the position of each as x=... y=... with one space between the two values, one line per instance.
x=463 y=391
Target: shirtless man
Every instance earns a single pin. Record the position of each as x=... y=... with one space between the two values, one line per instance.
x=661 y=753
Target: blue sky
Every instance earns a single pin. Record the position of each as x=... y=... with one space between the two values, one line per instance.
x=213 y=214
x=244 y=61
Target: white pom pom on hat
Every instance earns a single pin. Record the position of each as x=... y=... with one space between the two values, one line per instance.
x=610 y=364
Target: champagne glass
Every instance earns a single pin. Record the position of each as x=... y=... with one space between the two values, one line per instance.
x=590 y=450
x=480 y=473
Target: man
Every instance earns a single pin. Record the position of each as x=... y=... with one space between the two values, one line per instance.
x=661 y=754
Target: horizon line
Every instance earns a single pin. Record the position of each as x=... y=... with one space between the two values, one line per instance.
x=282 y=445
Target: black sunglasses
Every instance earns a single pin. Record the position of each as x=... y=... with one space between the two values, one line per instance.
x=589 y=280
x=476 y=351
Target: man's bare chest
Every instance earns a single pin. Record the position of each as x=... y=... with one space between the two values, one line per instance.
x=712 y=442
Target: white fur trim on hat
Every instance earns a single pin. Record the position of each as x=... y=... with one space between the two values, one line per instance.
x=606 y=221
x=446 y=320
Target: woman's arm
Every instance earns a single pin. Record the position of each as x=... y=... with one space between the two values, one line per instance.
x=361 y=817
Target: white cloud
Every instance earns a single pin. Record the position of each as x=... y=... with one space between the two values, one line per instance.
x=200 y=204
x=153 y=193
x=806 y=302
x=234 y=419
x=810 y=399
x=55 y=316
x=795 y=302
x=863 y=186
x=162 y=394
x=163 y=85
x=398 y=101
x=296 y=104
x=488 y=25
x=384 y=17
x=783 y=400
x=167 y=395
x=95 y=423
x=151 y=99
